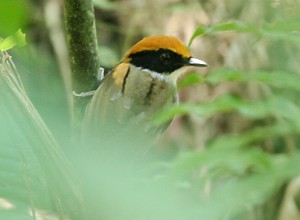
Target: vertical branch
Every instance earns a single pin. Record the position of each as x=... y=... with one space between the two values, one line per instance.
x=83 y=50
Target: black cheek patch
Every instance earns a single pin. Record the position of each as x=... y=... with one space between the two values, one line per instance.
x=162 y=61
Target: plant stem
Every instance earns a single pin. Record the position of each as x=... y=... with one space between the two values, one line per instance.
x=83 y=50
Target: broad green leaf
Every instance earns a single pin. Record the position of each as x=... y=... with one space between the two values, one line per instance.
x=33 y=167
x=13 y=15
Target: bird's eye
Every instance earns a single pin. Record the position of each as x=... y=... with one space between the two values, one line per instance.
x=165 y=58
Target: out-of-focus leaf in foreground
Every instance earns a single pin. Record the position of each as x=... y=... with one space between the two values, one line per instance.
x=34 y=173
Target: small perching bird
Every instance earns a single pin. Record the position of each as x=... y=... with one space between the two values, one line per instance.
x=142 y=84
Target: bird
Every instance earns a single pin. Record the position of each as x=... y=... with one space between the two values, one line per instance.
x=141 y=85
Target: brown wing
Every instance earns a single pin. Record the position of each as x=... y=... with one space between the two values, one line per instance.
x=108 y=112
x=111 y=114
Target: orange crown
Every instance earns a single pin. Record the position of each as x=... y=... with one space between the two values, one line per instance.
x=156 y=43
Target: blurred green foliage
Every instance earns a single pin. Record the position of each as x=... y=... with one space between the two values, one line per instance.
x=238 y=175
x=245 y=169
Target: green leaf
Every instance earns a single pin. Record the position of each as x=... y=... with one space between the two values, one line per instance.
x=18 y=39
x=286 y=30
x=199 y=32
x=13 y=15
x=221 y=27
x=105 y=4
x=232 y=26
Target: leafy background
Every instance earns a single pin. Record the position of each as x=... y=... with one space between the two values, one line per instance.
x=231 y=153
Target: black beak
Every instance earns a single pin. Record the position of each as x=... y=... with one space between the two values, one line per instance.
x=196 y=62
